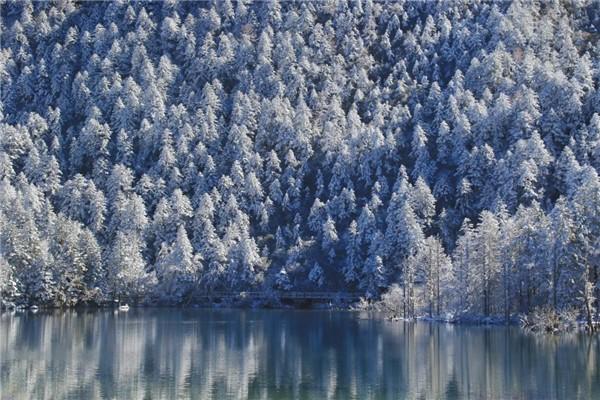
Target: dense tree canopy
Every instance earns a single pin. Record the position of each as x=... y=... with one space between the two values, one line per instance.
x=151 y=150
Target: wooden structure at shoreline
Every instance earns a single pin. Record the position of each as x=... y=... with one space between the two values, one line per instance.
x=281 y=295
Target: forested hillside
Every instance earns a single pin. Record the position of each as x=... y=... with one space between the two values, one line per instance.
x=150 y=151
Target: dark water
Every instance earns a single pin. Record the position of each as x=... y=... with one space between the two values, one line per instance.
x=237 y=354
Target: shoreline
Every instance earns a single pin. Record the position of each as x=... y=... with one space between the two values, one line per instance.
x=515 y=321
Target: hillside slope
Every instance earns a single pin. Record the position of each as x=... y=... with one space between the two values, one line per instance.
x=150 y=150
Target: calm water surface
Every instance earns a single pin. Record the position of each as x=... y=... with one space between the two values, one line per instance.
x=281 y=354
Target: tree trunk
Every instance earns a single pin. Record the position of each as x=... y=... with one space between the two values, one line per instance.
x=404 y=297
x=588 y=314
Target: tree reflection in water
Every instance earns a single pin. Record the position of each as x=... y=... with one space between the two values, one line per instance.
x=281 y=354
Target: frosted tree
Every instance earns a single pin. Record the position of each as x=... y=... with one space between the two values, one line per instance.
x=126 y=269
x=437 y=268
x=561 y=247
x=245 y=263
x=353 y=260
x=423 y=162
x=24 y=247
x=316 y=275
x=162 y=229
x=531 y=244
x=423 y=202
x=182 y=255
x=487 y=260
x=330 y=238
x=587 y=206
x=567 y=171
x=374 y=276
x=8 y=284
x=316 y=216
x=464 y=276
x=82 y=201
x=176 y=267
x=207 y=243
x=68 y=266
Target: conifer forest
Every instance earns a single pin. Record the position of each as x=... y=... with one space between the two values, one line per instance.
x=449 y=151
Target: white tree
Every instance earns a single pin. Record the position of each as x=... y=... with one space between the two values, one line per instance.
x=330 y=238
x=8 y=284
x=437 y=268
x=125 y=268
x=176 y=268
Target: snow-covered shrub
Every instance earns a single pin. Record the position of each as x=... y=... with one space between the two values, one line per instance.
x=548 y=320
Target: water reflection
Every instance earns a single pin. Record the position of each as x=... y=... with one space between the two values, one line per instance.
x=233 y=354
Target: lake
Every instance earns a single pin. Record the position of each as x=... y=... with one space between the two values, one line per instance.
x=283 y=354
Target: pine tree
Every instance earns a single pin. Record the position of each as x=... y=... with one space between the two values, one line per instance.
x=437 y=268
x=126 y=269
x=316 y=275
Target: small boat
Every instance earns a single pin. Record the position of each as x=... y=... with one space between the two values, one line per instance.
x=34 y=308
x=124 y=307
